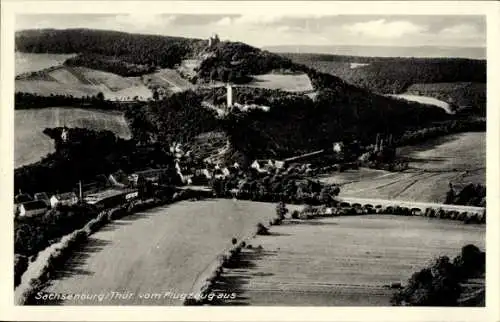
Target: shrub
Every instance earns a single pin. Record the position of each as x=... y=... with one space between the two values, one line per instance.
x=295 y=214
x=20 y=265
x=262 y=230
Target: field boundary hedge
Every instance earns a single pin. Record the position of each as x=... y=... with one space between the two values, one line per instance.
x=55 y=256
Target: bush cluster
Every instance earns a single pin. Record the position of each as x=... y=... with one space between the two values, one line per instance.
x=226 y=260
x=289 y=188
x=440 y=284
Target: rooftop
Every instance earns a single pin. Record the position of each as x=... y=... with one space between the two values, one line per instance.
x=32 y=205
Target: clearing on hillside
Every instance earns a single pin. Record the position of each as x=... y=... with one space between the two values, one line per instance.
x=342 y=261
x=426 y=100
x=284 y=82
x=162 y=250
x=462 y=94
x=458 y=158
x=169 y=79
x=27 y=62
x=31 y=144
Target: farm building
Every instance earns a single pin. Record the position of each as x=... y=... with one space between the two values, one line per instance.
x=338 y=146
x=267 y=165
x=150 y=174
x=43 y=197
x=32 y=208
x=66 y=199
x=119 y=179
x=22 y=197
x=111 y=197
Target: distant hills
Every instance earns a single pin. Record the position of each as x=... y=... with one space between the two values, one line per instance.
x=385 y=51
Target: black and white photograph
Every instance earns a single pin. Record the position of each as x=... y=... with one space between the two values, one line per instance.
x=267 y=159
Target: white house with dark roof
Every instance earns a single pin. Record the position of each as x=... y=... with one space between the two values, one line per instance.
x=33 y=208
x=66 y=199
x=43 y=197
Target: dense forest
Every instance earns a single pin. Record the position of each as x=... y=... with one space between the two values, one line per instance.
x=234 y=61
x=293 y=125
x=453 y=80
x=178 y=118
x=109 y=64
x=297 y=124
x=83 y=156
x=150 y=50
x=395 y=75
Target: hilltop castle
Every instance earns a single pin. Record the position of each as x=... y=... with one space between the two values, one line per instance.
x=213 y=40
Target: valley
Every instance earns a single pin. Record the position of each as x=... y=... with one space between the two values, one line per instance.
x=213 y=166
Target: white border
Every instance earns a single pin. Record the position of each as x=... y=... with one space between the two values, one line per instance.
x=22 y=313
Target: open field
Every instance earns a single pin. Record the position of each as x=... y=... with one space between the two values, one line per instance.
x=289 y=83
x=81 y=81
x=458 y=158
x=342 y=261
x=170 y=79
x=460 y=93
x=165 y=249
x=27 y=62
x=31 y=144
x=425 y=100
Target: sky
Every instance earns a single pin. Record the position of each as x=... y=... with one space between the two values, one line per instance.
x=274 y=29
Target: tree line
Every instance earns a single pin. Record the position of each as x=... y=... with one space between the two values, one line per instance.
x=149 y=50
x=35 y=101
x=109 y=64
x=85 y=155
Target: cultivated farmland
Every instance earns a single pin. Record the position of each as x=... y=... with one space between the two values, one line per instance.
x=163 y=250
x=31 y=144
x=342 y=261
x=81 y=81
x=460 y=159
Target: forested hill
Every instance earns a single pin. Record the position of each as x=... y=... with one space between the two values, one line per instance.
x=394 y=75
x=295 y=122
x=137 y=49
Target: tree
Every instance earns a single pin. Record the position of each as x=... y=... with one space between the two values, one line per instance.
x=100 y=96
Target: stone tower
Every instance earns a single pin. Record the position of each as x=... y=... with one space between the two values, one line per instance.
x=229 y=95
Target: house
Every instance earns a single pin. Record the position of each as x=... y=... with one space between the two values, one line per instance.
x=118 y=179
x=206 y=173
x=43 y=197
x=225 y=171
x=279 y=164
x=32 y=208
x=66 y=199
x=110 y=197
x=22 y=197
x=259 y=165
x=338 y=146
x=219 y=174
